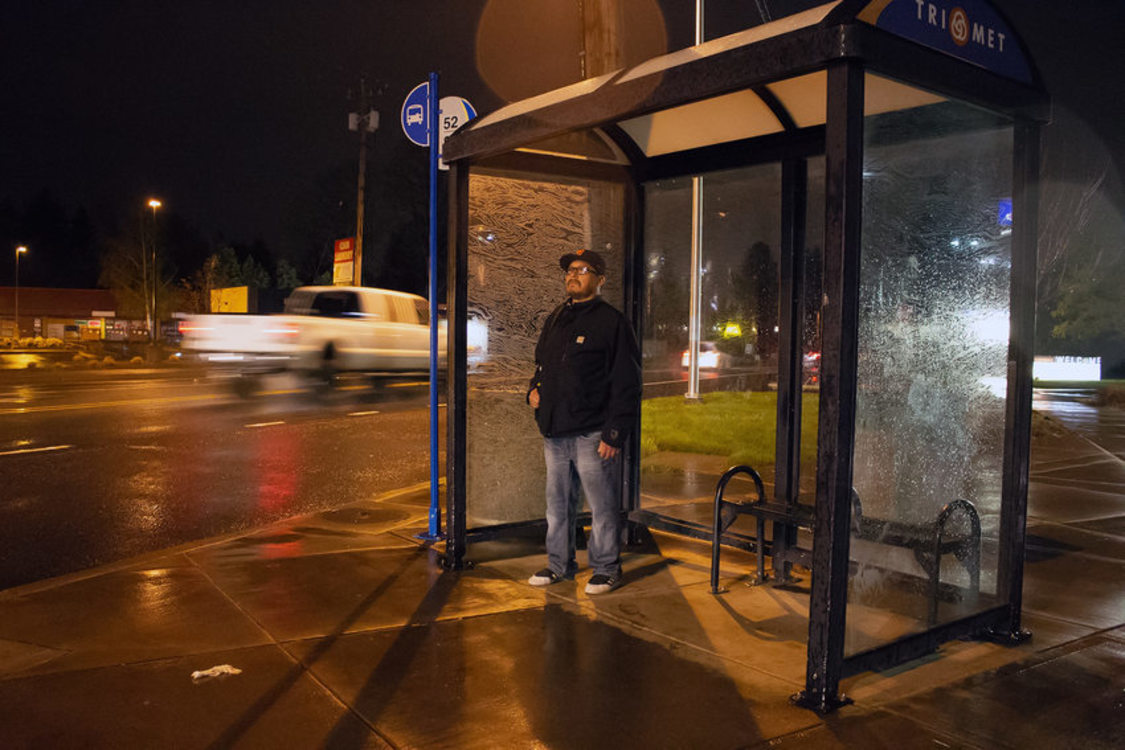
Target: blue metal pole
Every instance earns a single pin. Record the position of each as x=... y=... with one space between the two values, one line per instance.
x=435 y=114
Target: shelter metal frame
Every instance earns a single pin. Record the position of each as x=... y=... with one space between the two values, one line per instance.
x=841 y=41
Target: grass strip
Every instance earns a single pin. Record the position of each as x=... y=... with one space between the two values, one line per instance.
x=741 y=426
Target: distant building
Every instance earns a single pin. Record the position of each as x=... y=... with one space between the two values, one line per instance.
x=67 y=314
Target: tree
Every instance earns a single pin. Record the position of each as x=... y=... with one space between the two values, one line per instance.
x=195 y=291
x=123 y=272
x=1088 y=306
x=286 y=276
x=759 y=281
x=224 y=268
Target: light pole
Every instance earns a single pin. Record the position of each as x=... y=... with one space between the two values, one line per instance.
x=19 y=251
x=153 y=322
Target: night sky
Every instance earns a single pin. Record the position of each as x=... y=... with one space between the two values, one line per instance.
x=234 y=113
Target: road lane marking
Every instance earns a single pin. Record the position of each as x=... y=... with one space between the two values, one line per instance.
x=361 y=413
x=109 y=404
x=408 y=385
x=44 y=449
x=263 y=424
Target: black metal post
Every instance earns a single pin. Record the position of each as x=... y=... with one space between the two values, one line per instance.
x=457 y=364
x=836 y=429
x=787 y=462
x=1021 y=344
x=634 y=283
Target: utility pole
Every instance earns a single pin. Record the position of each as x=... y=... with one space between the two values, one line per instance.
x=144 y=273
x=365 y=121
x=602 y=21
x=154 y=321
x=695 y=284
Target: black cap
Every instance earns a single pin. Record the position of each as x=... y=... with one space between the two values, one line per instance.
x=589 y=257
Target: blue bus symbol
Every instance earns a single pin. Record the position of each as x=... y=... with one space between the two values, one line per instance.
x=415 y=115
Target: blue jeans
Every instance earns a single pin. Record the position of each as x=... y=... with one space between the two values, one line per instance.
x=571 y=461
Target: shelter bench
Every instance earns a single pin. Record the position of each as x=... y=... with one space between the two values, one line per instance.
x=930 y=542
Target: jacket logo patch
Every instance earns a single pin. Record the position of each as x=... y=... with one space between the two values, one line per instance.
x=580 y=340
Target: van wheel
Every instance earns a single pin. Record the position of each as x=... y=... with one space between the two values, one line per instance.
x=328 y=369
x=244 y=386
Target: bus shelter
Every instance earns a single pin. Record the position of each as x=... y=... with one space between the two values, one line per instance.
x=834 y=213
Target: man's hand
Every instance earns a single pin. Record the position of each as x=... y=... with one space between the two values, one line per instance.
x=533 y=398
x=607 y=451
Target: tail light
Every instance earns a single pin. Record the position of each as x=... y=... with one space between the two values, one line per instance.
x=283 y=331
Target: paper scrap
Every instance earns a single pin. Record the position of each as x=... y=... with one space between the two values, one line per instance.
x=216 y=671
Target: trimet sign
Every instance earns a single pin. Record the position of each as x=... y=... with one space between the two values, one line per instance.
x=967 y=29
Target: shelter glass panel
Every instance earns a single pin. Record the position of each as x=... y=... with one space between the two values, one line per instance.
x=519 y=226
x=933 y=333
x=686 y=446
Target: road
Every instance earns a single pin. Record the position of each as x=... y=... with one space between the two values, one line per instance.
x=104 y=465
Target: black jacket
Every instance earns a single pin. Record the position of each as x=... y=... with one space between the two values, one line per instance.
x=588 y=372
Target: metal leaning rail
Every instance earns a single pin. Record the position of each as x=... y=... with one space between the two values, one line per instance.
x=929 y=542
x=721 y=523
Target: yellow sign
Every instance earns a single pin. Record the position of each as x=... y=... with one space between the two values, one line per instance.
x=231 y=299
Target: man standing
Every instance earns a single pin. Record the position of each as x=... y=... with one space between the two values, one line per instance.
x=585 y=392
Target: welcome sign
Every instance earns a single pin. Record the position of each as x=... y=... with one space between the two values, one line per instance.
x=970 y=30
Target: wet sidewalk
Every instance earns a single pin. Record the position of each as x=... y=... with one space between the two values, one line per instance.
x=348 y=635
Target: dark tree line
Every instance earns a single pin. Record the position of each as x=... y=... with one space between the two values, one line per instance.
x=70 y=249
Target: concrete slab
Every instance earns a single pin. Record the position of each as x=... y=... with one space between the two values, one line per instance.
x=852 y=728
x=1050 y=540
x=16 y=657
x=1066 y=502
x=1060 y=452
x=370 y=517
x=273 y=703
x=1075 y=575
x=122 y=617
x=1082 y=460
x=660 y=561
x=364 y=526
x=316 y=595
x=761 y=628
x=550 y=677
x=953 y=660
x=702 y=511
x=1114 y=525
x=697 y=554
x=1070 y=697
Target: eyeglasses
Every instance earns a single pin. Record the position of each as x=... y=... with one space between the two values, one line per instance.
x=580 y=271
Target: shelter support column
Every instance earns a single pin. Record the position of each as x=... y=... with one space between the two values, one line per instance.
x=791 y=290
x=457 y=313
x=836 y=428
x=634 y=280
x=1017 y=434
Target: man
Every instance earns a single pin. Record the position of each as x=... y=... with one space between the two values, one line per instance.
x=585 y=392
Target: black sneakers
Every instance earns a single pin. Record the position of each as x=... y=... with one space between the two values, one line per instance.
x=598 y=583
x=601 y=584
x=544 y=577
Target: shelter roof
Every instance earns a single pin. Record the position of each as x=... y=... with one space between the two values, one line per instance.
x=769 y=80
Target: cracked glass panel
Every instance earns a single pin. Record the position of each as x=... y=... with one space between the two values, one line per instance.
x=519 y=227
x=933 y=333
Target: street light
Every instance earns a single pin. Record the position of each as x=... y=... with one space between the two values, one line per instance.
x=154 y=204
x=19 y=251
